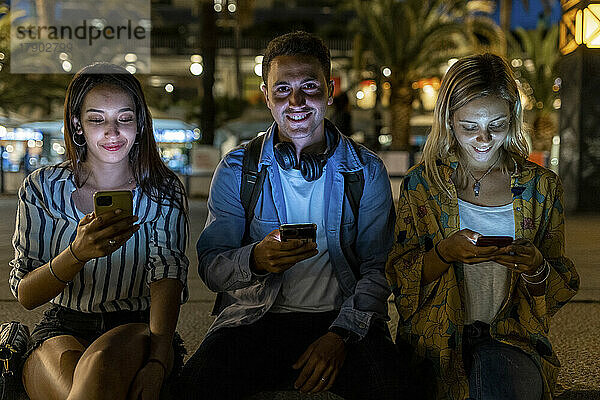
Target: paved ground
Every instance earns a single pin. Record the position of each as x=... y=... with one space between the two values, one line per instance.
x=574 y=330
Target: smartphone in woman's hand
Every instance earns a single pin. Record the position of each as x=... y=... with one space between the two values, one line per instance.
x=498 y=241
x=110 y=200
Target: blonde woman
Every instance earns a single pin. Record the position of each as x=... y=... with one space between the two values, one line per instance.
x=480 y=313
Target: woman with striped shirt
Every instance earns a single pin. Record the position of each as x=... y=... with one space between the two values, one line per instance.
x=114 y=282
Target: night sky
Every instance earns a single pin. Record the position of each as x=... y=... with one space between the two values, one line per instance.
x=528 y=19
x=520 y=17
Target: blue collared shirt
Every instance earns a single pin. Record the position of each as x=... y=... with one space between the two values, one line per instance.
x=224 y=261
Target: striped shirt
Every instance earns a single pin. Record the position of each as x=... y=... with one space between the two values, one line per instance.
x=47 y=222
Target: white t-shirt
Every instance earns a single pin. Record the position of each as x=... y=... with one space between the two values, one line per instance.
x=310 y=285
x=486 y=283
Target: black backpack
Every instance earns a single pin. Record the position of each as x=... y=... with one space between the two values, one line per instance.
x=252 y=183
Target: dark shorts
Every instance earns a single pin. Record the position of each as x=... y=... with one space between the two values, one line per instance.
x=88 y=327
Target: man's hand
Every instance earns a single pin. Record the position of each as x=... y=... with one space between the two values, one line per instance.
x=320 y=364
x=273 y=255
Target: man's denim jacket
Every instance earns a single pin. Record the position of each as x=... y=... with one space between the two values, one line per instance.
x=224 y=260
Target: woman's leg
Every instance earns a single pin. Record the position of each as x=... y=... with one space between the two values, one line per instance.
x=503 y=372
x=109 y=365
x=48 y=371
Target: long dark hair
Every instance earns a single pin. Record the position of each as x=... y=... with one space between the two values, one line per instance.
x=152 y=175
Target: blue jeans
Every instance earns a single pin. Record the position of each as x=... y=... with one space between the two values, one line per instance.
x=498 y=371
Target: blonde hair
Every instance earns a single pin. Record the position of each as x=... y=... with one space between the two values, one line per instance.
x=467 y=79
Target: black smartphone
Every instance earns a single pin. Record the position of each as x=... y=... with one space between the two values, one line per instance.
x=307 y=232
x=498 y=241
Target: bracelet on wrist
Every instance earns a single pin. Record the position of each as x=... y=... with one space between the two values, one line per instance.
x=437 y=252
x=73 y=254
x=526 y=277
x=56 y=276
x=537 y=272
x=159 y=362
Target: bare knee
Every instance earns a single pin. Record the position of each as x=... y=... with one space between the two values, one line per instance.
x=120 y=339
x=112 y=360
x=48 y=371
x=124 y=334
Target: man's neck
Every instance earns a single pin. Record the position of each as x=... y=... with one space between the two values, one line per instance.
x=315 y=143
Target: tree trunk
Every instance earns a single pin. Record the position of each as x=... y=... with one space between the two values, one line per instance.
x=544 y=130
x=401 y=109
x=238 y=71
x=209 y=55
x=505 y=14
x=45 y=13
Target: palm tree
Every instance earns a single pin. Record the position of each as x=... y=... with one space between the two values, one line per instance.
x=209 y=55
x=413 y=38
x=27 y=93
x=539 y=50
x=506 y=7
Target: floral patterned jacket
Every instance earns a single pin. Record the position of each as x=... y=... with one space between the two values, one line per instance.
x=432 y=316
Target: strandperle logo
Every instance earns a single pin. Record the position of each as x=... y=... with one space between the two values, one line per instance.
x=82 y=31
x=64 y=36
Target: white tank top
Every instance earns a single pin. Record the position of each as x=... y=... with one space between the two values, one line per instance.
x=486 y=283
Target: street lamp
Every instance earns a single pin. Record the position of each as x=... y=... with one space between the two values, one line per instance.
x=579 y=161
x=579 y=25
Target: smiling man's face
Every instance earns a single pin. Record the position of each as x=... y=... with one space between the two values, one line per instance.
x=297 y=93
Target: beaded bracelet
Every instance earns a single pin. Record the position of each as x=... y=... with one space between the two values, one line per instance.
x=56 y=276
x=537 y=272
x=545 y=266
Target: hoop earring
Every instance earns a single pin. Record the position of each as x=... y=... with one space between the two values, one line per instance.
x=75 y=141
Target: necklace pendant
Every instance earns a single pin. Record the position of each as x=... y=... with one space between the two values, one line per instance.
x=476 y=187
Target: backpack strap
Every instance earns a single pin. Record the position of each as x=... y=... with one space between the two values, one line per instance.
x=252 y=179
x=250 y=189
x=354 y=185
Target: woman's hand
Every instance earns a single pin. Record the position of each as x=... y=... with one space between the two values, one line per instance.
x=148 y=382
x=521 y=256
x=460 y=247
x=98 y=236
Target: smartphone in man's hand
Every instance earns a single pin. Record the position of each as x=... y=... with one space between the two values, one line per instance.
x=306 y=232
